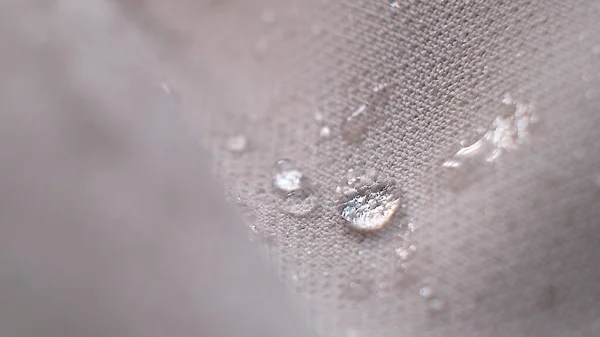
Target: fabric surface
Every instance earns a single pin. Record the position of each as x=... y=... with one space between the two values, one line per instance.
x=508 y=248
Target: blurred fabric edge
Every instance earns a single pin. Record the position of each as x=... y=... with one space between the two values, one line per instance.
x=110 y=224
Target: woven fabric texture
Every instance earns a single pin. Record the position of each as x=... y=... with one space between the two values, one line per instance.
x=510 y=247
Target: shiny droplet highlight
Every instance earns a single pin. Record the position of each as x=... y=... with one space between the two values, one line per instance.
x=286 y=176
x=298 y=202
x=368 y=202
x=508 y=131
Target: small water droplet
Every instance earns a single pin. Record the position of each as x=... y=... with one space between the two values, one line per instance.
x=509 y=130
x=325 y=131
x=286 y=176
x=395 y=4
x=237 y=143
x=355 y=124
x=368 y=202
x=402 y=253
x=426 y=292
x=298 y=202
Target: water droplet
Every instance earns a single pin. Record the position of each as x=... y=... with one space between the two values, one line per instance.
x=237 y=143
x=325 y=131
x=395 y=4
x=357 y=291
x=426 y=292
x=298 y=202
x=507 y=132
x=355 y=124
x=404 y=252
x=286 y=176
x=368 y=202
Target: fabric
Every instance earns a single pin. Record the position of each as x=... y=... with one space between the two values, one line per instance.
x=508 y=248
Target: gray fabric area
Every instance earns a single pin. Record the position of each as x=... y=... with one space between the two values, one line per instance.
x=510 y=248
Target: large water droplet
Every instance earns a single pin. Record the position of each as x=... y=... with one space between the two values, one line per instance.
x=286 y=176
x=368 y=202
x=237 y=143
x=298 y=202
